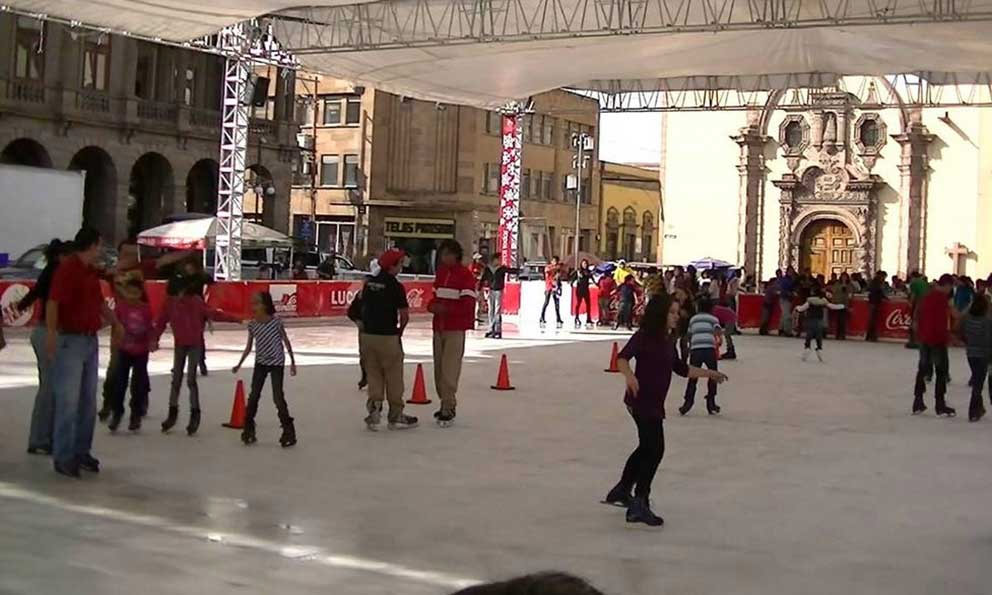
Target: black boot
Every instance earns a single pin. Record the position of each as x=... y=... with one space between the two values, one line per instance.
x=171 y=420
x=687 y=406
x=194 y=422
x=135 y=423
x=288 y=437
x=115 y=421
x=918 y=406
x=618 y=496
x=105 y=411
x=711 y=407
x=640 y=512
x=248 y=433
x=942 y=408
x=976 y=409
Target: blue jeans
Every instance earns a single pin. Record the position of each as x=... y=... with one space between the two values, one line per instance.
x=43 y=415
x=74 y=379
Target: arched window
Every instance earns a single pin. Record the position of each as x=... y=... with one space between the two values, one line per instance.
x=647 y=237
x=629 y=249
x=612 y=233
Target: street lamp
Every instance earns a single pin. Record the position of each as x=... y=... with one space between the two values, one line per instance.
x=582 y=142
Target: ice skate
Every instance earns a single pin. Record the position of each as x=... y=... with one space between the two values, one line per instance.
x=686 y=406
x=445 y=419
x=115 y=421
x=819 y=355
x=976 y=412
x=806 y=354
x=619 y=496
x=288 y=437
x=373 y=420
x=918 y=407
x=135 y=422
x=248 y=433
x=559 y=324
x=403 y=422
x=170 y=421
x=943 y=410
x=640 y=512
x=711 y=407
x=194 y=422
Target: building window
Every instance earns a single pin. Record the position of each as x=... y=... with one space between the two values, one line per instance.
x=332 y=112
x=351 y=171
x=494 y=123
x=869 y=132
x=493 y=174
x=525 y=183
x=96 y=64
x=329 y=170
x=189 y=86
x=353 y=112
x=29 y=59
x=548 y=131
x=143 y=71
x=793 y=134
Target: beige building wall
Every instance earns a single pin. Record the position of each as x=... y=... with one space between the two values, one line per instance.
x=630 y=206
x=702 y=189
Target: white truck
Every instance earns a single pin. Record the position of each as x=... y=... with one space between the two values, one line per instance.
x=36 y=205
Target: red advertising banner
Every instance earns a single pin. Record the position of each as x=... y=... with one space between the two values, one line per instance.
x=305 y=299
x=894 y=321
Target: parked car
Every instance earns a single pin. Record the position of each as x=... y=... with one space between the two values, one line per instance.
x=532 y=271
x=27 y=266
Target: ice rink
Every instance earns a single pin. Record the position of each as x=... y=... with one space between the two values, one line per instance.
x=814 y=480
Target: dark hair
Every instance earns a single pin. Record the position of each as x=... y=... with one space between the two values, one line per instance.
x=654 y=321
x=452 y=246
x=86 y=238
x=126 y=242
x=54 y=249
x=267 y=303
x=979 y=307
x=706 y=306
x=545 y=583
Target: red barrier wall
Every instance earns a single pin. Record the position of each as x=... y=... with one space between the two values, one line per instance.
x=896 y=316
x=292 y=298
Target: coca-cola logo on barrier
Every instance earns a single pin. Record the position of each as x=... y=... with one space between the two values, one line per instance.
x=8 y=305
x=415 y=298
x=898 y=320
x=284 y=298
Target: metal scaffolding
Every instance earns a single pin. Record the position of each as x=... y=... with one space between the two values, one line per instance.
x=385 y=24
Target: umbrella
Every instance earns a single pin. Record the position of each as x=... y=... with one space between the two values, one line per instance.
x=708 y=263
x=201 y=233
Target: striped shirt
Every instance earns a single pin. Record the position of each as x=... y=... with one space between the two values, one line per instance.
x=702 y=331
x=269 y=348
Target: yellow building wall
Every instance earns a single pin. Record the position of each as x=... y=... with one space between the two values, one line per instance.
x=643 y=196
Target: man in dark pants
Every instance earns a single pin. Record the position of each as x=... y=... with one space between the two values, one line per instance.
x=704 y=328
x=934 y=336
x=876 y=295
x=768 y=304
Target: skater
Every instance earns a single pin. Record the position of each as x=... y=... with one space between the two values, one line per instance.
x=43 y=413
x=815 y=308
x=187 y=314
x=653 y=347
x=453 y=308
x=494 y=278
x=876 y=295
x=581 y=280
x=552 y=290
x=976 y=329
x=728 y=321
x=132 y=349
x=478 y=269
x=786 y=291
x=268 y=336
x=74 y=314
x=627 y=292
x=385 y=314
x=840 y=295
x=768 y=303
x=607 y=288
x=703 y=331
x=933 y=337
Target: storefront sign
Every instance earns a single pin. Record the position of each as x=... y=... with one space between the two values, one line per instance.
x=420 y=228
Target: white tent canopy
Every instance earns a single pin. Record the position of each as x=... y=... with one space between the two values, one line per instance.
x=200 y=234
x=441 y=49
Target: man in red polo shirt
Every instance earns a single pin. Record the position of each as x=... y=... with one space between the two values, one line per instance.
x=74 y=314
x=933 y=334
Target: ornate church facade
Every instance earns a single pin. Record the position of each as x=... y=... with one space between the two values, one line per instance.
x=840 y=184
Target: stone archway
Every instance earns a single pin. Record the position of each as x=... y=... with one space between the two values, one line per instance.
x=26 y=151
x=99 y=189
x=151 y=188
x=827 y=245
x=201 y=187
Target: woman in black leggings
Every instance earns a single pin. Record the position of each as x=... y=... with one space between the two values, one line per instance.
x=582 y=279
x=653 y=346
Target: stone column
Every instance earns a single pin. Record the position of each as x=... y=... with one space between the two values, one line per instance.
x=913 y=169
x=751 y=169
x=788 y=254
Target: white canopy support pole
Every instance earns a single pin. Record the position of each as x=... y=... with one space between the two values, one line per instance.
x=231 y=184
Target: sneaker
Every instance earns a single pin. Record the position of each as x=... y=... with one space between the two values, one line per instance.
x=373 y=421
x=89 y=463
x=403 y=422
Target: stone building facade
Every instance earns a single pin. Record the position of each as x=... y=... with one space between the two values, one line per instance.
x=392 y=171
x=631 y=217
x=141 y=119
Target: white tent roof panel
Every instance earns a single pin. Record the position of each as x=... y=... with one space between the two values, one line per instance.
x=488 y=74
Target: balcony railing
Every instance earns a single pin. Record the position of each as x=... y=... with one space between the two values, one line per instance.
x=93 y=101
x=25 y=91
x=266 y=128
x=157 y=112
x=204 y=118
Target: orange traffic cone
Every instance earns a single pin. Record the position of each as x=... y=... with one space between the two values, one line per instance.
x=613 y=369
x=419 y=396
x=503 y=381
x=238 y=409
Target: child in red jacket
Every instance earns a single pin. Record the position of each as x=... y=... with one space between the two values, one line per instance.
x=188 y=315
x=453 y=307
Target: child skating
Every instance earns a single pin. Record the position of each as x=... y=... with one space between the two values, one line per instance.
x=268 y=336
x=187 y=314
x=702 y=333
x=815 y=307
x=132 y=348
x=653 y=346
x=976 y=329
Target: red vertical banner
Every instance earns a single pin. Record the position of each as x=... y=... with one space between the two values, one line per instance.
x=509 y=189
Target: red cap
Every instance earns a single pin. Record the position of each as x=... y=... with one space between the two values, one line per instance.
x=391 y=258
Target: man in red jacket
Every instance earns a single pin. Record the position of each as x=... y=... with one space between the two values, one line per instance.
x=933 y=334
x=453 y=307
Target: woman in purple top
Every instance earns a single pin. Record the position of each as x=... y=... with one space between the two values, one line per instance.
x=653 y=346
